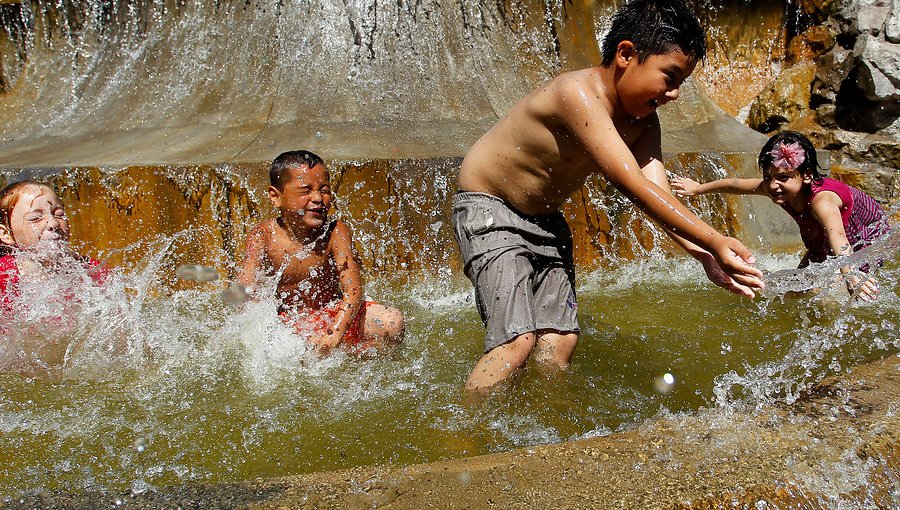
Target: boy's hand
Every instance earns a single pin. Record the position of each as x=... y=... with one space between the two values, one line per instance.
x=736 y=261
x=327 y=342
x=865 y=291
x=684 y=187
x=716 y=275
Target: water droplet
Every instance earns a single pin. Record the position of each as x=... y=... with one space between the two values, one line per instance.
x=663 y=384
x=236 y=294
x=197 y=273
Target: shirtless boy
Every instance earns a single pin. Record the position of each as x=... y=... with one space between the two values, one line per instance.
x=515 y=243
x=319 y=282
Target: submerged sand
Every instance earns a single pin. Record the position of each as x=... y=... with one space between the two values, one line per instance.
x=810 y=454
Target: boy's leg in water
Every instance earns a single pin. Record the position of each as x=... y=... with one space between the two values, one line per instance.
x=501 y=362
x=556 y=347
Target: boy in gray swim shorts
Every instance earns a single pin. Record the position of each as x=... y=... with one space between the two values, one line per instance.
x=521 y=265
x=602 y=120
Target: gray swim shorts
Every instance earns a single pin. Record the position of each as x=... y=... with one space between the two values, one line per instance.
x=521 y=266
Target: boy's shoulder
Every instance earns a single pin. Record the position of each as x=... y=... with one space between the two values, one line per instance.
x=266 y=226
x=337 y=226
x=585 y=79
x=582 y=87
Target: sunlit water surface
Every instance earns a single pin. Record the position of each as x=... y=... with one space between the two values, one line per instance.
x=147 y=383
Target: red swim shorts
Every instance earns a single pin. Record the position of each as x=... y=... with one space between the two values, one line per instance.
x=317 y=322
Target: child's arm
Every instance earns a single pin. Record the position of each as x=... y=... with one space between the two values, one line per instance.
x=587 y=117
x=687 y=187
x=253 y=257
x=826 y=208
x=656 y=172
x=350 y=275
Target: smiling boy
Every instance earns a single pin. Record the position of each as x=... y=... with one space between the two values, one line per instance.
x=319 y=280
x=515 y=243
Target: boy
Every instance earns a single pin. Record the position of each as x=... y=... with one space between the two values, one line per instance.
x=319 y=280
x=516 y=245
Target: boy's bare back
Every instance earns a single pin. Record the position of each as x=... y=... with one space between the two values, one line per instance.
x=544 y=149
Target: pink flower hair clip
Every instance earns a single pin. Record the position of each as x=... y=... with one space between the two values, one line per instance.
x=788 y=156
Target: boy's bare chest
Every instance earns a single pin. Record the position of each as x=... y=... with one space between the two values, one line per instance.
x=298 y=261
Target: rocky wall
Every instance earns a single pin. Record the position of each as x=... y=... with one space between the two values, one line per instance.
x=840 y=84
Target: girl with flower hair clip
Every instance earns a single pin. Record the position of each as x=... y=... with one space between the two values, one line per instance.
x=834 y=218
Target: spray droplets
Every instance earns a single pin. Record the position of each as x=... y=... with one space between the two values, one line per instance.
x=235 y=295
x=197 y=273
x=664 y=383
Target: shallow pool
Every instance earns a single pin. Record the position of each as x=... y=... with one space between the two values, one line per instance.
x=205 y=391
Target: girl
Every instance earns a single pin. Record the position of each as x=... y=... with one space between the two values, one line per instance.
x=834 y=218
x=34 y=239
x=34 y=248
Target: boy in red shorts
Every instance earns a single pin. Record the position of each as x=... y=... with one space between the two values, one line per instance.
x=318 y=278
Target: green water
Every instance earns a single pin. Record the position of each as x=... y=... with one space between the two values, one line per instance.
x=231 y=395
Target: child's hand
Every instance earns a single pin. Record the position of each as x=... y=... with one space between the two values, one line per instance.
x=326 y=343
x=865 y=291
x=716 y=275
x=684 y=187
x=736 y=261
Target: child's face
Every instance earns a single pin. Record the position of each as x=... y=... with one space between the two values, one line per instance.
x=38 y=216
x=785 y=187
x=645 y=86
x=306 y=195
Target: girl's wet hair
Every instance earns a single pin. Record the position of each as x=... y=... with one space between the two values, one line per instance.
x=291 y=159
x=9 y=197
x=810 y=164
x=655 y=27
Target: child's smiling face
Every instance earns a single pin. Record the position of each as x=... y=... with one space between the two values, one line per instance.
x=785 y=186
x=647 y=85
x=306 y=197
x=38 y=217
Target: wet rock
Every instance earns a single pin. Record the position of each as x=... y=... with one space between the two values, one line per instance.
x=784 y=100
x=871 y=16
x=877 y=181
x=813 y=42
x=892 y=24
x=879 y=64
x=832 y=68
x=820 y=7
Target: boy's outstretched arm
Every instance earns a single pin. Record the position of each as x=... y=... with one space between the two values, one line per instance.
x=588 y=119
x=253 y=255
x=655 y=172
x=350 y=276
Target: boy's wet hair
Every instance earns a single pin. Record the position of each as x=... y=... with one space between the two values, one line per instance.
x=288 y=160
x=810 y=165
x=655 y=27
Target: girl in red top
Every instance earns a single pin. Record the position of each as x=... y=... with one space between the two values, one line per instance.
x=834 y=218
x=34 y=239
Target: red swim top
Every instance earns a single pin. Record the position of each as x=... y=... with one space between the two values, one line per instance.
x=9 y=278
x=864 y=219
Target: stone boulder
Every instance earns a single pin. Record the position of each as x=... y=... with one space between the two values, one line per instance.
x=879 y=69
x=784 y=100
x=871 y=15
x=832 y=69
x=892 y=24
x=859 y=89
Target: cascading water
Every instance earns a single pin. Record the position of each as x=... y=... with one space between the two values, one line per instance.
x=159 y=376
